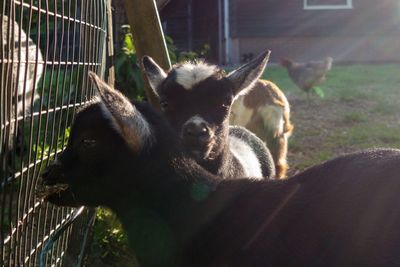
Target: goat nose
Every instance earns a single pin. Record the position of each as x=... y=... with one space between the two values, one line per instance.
x=196 y=130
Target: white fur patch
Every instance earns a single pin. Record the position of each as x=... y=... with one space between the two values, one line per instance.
x=190 y=74
x=246 y=156
x=273 y=118
x=241 y=115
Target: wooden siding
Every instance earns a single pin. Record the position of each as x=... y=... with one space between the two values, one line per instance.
x=369 y=32
x=272 y=18
x=342 y=49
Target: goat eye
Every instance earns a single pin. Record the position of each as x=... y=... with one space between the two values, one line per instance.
x=89 y=142
x=226 y=103
x=164 y=105
x=225 y=106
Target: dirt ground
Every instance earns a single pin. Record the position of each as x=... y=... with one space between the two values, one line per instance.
x=324 y=129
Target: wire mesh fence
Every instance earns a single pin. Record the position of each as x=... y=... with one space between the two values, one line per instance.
x=47 y=48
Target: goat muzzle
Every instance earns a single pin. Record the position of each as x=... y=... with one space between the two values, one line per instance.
x=52 y=181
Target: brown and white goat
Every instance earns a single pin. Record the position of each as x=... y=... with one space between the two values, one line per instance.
x=124 y=155
x=265 y=111
x=196 y=98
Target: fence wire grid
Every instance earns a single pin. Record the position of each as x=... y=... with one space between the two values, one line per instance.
x=47 y=49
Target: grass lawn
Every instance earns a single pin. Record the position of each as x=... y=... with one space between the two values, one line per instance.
x=361 y=109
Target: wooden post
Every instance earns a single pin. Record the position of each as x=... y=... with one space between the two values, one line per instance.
x=110 y=47
x=148 y=37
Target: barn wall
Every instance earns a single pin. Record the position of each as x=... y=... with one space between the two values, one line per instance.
x=368 y=32
x=271 y=18
x=342 y=49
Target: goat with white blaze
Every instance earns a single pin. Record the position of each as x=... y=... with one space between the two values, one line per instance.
x=124 y=155
x=196 y=98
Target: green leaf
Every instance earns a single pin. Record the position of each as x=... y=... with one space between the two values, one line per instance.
x=319 y=92
x=128 y=43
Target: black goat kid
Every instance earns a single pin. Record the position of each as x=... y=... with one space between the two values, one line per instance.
x=124 y=156
x=196 y=98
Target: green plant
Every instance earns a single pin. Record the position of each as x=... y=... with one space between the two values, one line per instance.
x=59 y=143
x=187 y=56
x=61 y=86
x=30 y=20
x=318 y=91
x=127 y=70
x=205 y=51
x=172 y=50
x=194 y=55
x=109 y=246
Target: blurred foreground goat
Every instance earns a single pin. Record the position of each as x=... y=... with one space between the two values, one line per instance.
x=124 y=155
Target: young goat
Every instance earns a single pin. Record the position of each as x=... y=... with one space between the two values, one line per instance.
x=265 y=111
x=125 y=156
x=196 y=98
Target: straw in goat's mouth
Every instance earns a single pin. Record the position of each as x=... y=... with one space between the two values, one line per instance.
x=43 y=190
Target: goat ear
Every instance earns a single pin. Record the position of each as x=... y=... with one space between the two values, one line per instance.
x=155 y=74
x=127 y=120
x=245 y=76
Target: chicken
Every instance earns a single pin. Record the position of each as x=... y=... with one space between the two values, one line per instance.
x=309 y=74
